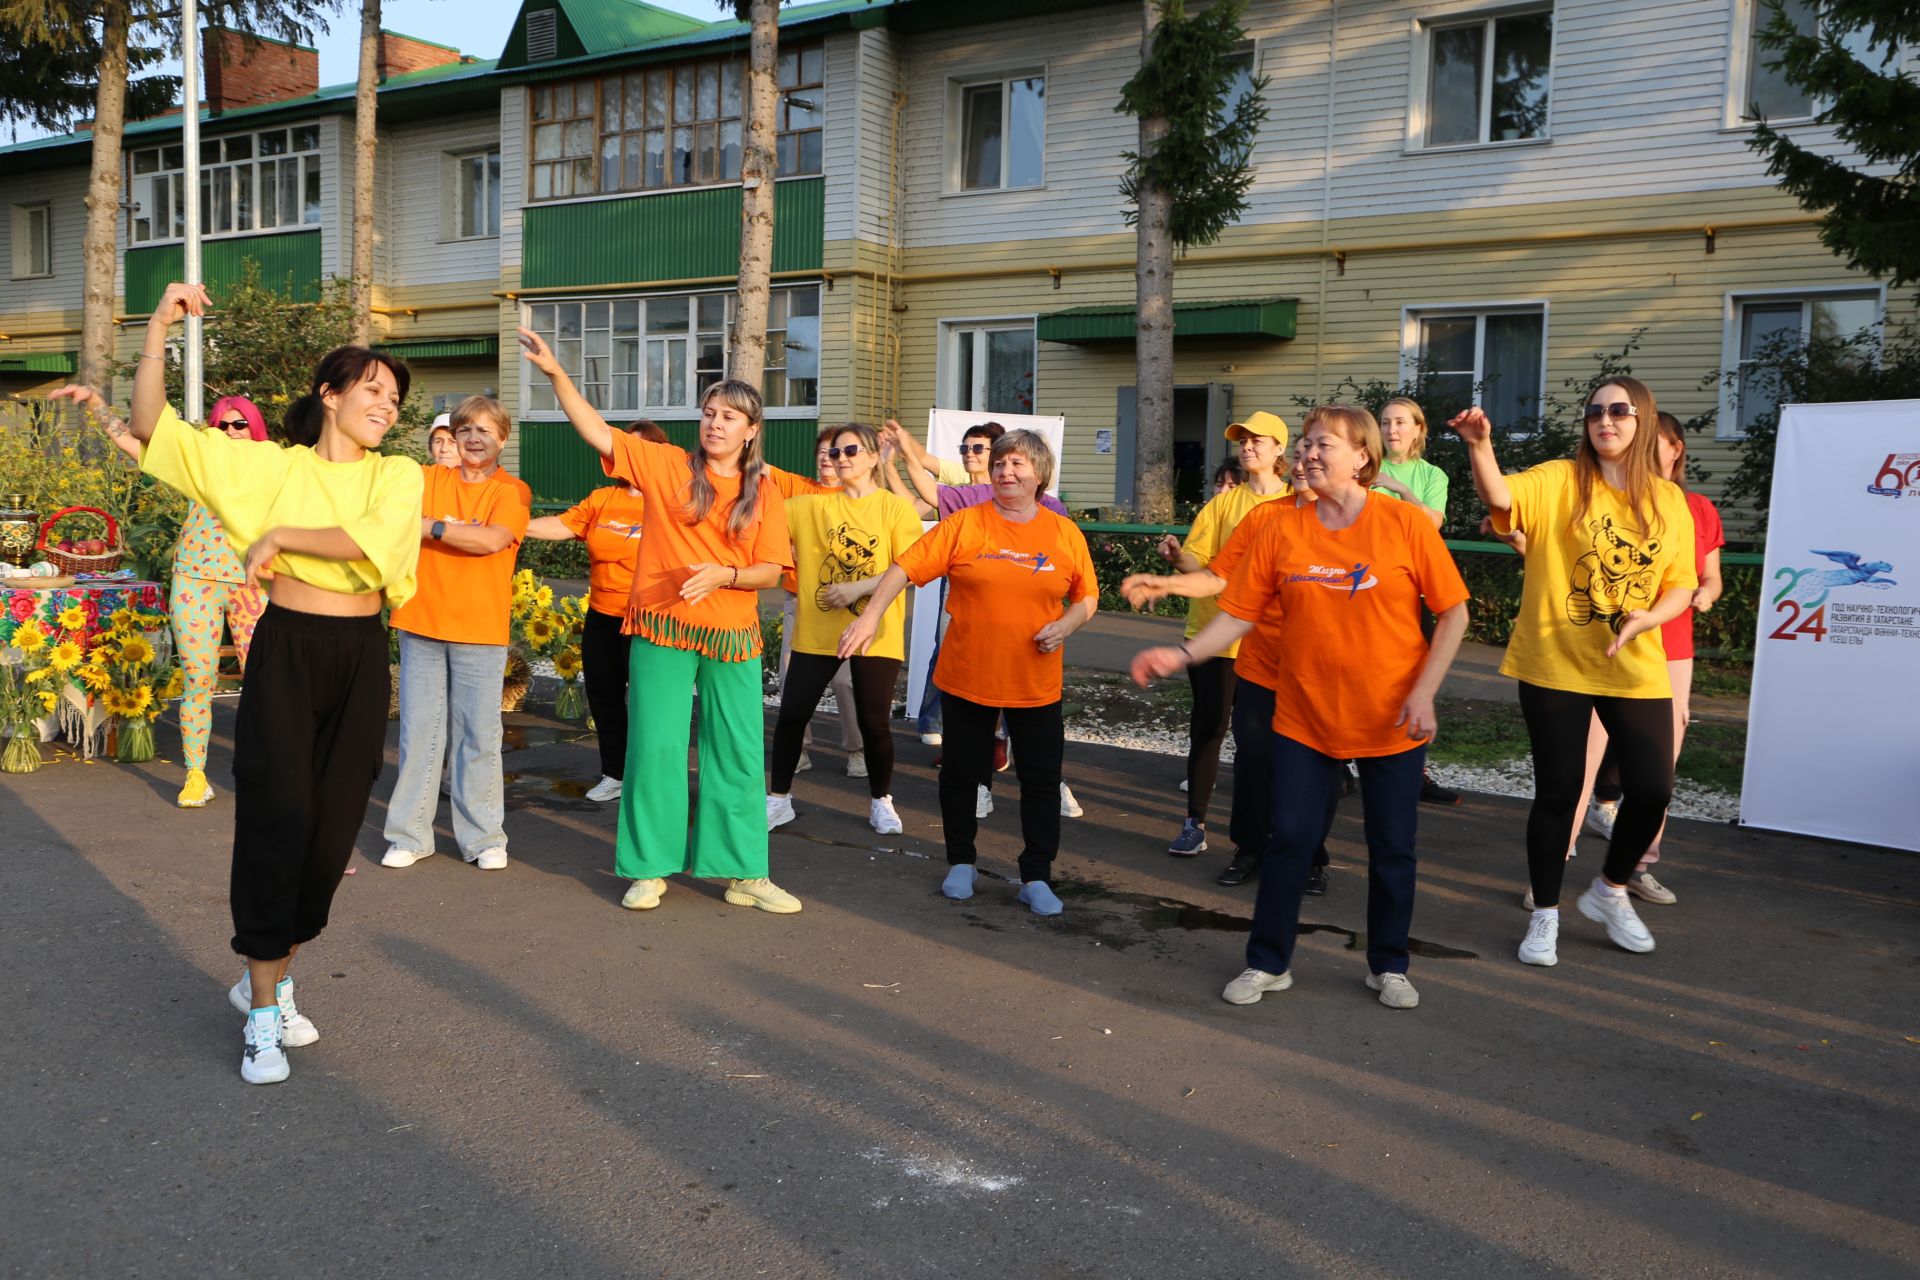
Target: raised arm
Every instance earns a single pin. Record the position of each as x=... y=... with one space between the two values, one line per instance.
x=92 y=402
x=585 y=418
x=1474 y=429
x=150 y=378
x=916 y=455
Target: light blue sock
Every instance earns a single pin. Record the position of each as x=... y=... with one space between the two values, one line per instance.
x=959 y=882
x=1038 y=895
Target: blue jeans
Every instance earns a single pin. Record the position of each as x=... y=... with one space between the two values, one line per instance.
x=449 y=694
x=1304 y=782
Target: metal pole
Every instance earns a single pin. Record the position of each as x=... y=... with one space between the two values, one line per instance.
x=192 y=368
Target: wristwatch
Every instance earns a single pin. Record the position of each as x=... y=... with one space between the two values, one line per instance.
x=439 y=530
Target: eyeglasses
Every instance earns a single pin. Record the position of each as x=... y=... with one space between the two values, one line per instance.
x=236 y=424
x=840 y=451
x=1618 y=409
x=966 y=449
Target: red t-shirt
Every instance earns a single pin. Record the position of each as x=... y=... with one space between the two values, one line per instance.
x=1708 y=536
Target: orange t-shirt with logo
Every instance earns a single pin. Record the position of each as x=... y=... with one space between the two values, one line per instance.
x=1005 y=581
x=609 y=521
x=792 y=485
x=464 y=598
x=1259 y=656
x=1349 y=618
x=725 y=624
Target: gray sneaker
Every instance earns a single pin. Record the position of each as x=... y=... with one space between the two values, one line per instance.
x=1643 y=886
x=1622 y=921
x=1600 y=818
x=1395 y=991
x=1254 y=983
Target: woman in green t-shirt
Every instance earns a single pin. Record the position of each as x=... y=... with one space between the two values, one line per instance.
x=1406 y=474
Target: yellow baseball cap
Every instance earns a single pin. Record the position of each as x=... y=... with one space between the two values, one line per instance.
x=1259 y=424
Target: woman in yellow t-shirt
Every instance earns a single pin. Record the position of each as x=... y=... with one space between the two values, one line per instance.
x=1262 y=446
x=1609 y=560
x=843 y=540
x=333 y=529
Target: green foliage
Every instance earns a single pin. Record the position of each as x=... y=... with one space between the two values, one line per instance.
x=1203 y=159
x=1825 y=369
x=1872 y=222
x=1117 y=555
x=554 y=559
x=51 y=86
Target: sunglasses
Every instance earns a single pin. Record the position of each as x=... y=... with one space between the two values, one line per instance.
x=1618 y=409
x=840 y=451
x=236 y=424
x=966 y=449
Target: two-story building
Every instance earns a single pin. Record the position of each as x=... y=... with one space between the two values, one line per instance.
x=1492 y=192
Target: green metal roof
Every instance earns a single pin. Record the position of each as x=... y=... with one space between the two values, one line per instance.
x=1226 y=318
x=40 y=362
x=477 y=348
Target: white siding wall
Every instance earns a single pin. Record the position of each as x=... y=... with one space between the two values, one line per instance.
x=863 y=74
x=420 y=251
x=65 y=192
x=336 y=196
x=513 y=174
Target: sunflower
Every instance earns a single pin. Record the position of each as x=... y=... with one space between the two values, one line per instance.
x=121 y=619
x=139 y=698
x=566 y=663
x=39 y=674
x=134 y=651
x=540 y=631
x=544 y=597
x=176 y=683
x=65 y=656
x=114 y=702
x=94 y=678
x=30 y=637
x=71 y=618
x=49 y=700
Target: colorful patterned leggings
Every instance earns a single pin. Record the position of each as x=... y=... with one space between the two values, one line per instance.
x=198 y=609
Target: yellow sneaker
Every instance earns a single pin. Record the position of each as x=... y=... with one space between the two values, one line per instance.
x=764 y=894
x=196 y=792
x=644 y=895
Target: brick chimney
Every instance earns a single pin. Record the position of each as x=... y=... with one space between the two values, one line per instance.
x=245 y=70
x=400 y=54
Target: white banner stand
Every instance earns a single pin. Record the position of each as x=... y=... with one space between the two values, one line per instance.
x=945 y=428
x=1833 y=749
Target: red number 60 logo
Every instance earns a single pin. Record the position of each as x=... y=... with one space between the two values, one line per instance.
x=1894 y=477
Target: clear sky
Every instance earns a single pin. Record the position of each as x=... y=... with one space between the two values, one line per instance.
x=478 y=27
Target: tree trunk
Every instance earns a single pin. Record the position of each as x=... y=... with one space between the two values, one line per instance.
x=749 y=357
x=100 y=247
x=364 y=145
x=1153 y=321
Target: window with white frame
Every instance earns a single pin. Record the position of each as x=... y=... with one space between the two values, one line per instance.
x=1487 y=79
x=32 y=240
x=1491 y=356
x=476 y=194
x=656 y=354
x=248 y=182
x=1761 y=90
x=990 y=366
x=1764 y=327
x=997 y=132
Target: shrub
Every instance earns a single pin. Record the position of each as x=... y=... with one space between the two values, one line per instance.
x=554 y=559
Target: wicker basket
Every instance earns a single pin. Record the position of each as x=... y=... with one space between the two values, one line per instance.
x=67 y=561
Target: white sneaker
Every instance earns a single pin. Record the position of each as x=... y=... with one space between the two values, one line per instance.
x=779 y=811
x=764 y=894
x=1183 y=784
x=1254 y=983
x=1643 y=886
x=608 y=788
x=1395 y=991
x=882 y=817
x=264 y=1061
x=296 y=1028
x=398 y=857
x=644 y=895
x=1541 y=946
x=494 y=859
x=804 y=763
x=931 y=739
x=982 y=802
x=1600 y=818
x=856 y=764
x=1069 y=807
x=1617 y=913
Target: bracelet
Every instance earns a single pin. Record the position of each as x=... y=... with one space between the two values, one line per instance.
x=736 y=577
x=146 y=356
x=1188 y=652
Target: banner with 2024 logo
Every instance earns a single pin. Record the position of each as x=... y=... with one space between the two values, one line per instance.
x=1833 y=744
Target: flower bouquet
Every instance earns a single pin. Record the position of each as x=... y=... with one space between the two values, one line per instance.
x=545 y=628
x=133 y=680
x=22 y=701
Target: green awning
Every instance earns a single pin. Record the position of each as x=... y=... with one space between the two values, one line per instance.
x=41 y=362
x=443 y=348
x=1228 y=318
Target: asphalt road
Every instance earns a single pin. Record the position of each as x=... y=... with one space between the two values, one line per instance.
x=517 y=1078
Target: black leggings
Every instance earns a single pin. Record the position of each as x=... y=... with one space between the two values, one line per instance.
x=1642 y=729
x=604 y=652
x=1213 y=683
x=1039 y=738
x=808 y=675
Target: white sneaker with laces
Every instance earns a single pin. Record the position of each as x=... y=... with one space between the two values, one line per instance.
x=644 y=895
x=1395 y=991
x=608 y=788
x=296 y=1028
x=1616 y=912
x=1643 y=886
x=398 y=857
x=1254 y=983
x=264 y=1060
x=1069 y=807
x=1541 y=946
x=494 y=859
x=856 y=764
x=1600 y=818
x=779 y=811
x=982 y=802
x=882 y=817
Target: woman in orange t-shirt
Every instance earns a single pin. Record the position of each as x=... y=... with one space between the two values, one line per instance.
x=609 y=521
x=1009 y=564
x=716 y=537
x=454 y=635
x=1338 y=584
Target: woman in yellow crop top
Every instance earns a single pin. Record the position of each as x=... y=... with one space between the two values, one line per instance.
x=332 y=529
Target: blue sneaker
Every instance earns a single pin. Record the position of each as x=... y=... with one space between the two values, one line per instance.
x=1191 y=840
